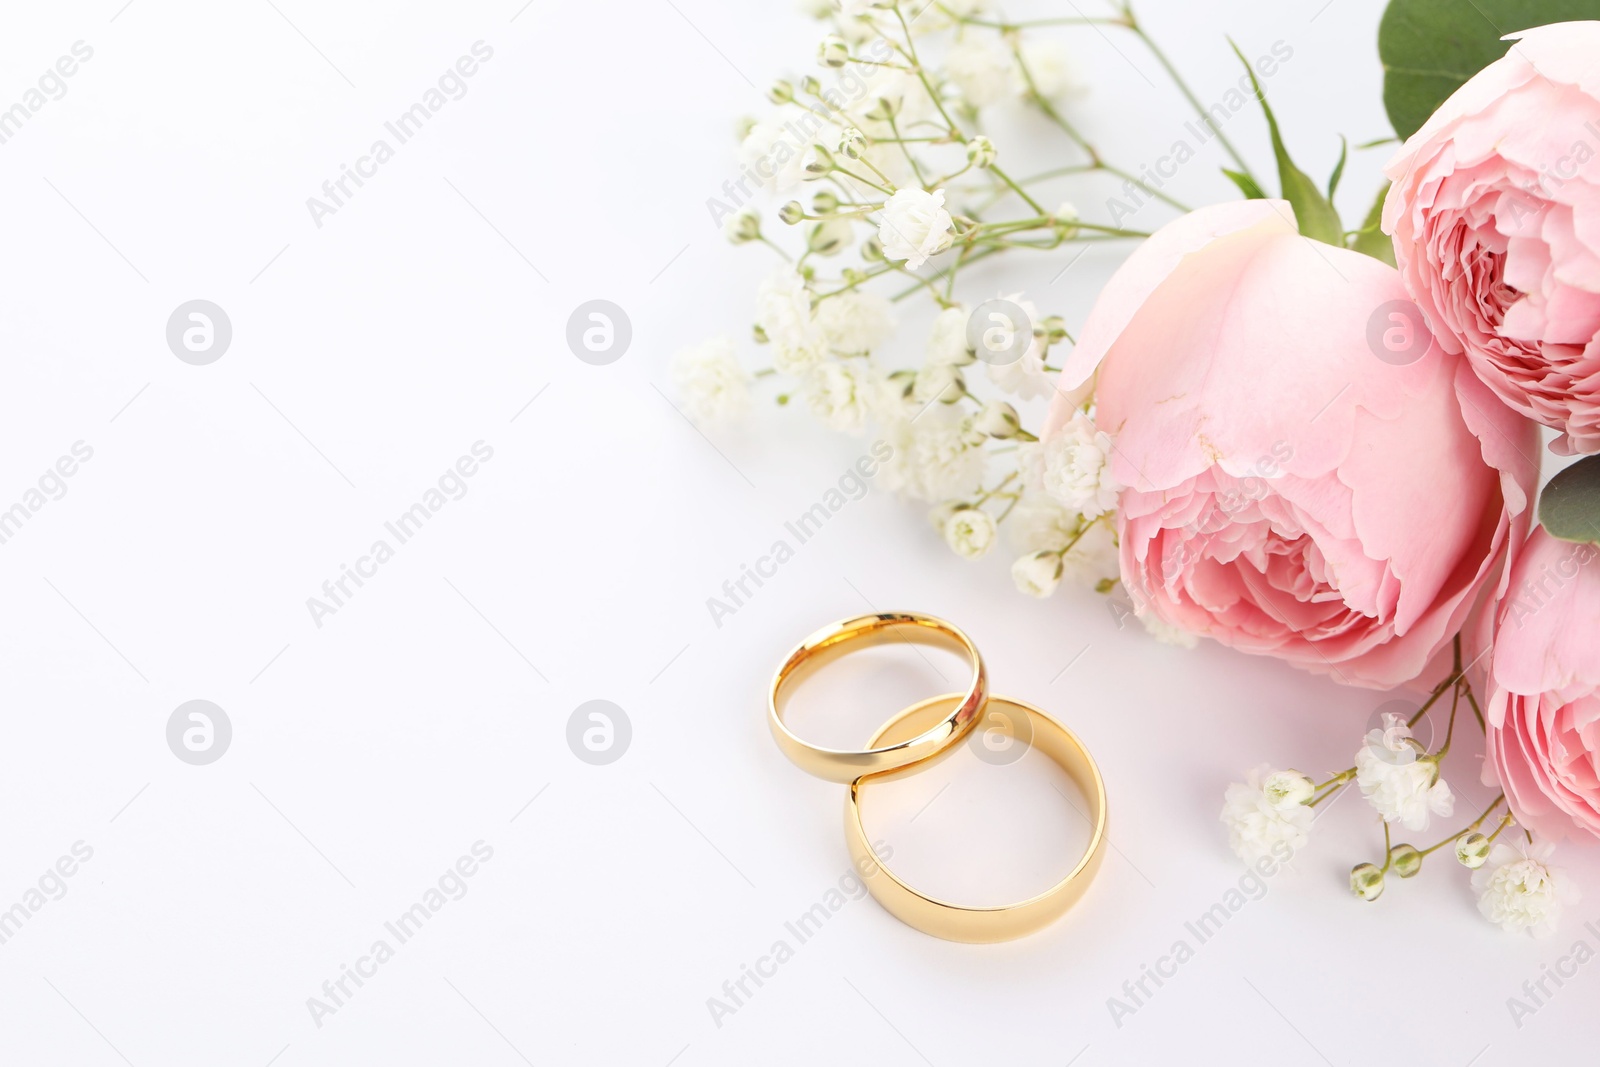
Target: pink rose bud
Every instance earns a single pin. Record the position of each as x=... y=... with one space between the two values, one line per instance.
x=1544 y=689
x=1495 y=212
x=1297 y=486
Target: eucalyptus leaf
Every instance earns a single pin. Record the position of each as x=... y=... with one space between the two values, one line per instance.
x=1247 y=185
x=1313 y=212
x=1569 y=507
x=1370 y=239
x=1429 y=48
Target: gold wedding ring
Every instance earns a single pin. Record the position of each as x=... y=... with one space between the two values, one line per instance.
x=955 y=922
x=912 y=741
x=937 y=733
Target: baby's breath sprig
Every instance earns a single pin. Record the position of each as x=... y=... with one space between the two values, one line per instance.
x=912 y=190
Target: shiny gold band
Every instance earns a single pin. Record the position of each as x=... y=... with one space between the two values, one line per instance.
x=937 y=733
x=951 y=921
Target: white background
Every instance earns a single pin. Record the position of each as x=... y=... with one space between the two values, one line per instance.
x=370 y=753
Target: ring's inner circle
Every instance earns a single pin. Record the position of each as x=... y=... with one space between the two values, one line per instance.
x=841 y=695
x=992 y=823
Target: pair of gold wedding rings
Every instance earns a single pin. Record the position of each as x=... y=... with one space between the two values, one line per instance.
x=916 y=738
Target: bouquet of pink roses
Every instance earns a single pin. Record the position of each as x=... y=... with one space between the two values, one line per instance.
x=1222 y=432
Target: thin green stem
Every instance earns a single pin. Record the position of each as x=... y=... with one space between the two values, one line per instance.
x=1471 y=826
x=764 y=239
x=911 y=158
x=1003 y=483
x=1332 y=785
x=1188 y=94
x=847 y=172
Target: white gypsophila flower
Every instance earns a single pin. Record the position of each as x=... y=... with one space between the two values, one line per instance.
x=840 y=394
x=932 y=460
x=743 y=225
x=1520 y=890
x=1024 y=375
x=980 y=68
x=900 y=93
x=947 y=341
x=1037 y=575
x=1030 y=468
x=1258 y=820
x=1093 y=559
x=783 y=311
x=939 y=381
x=939 y=514
x=1065 y=216
x=854 y=321
x=1077 y=467
x=1038 y=523
x=915 y=225
x=1164 y=631
x=776 y=146
x=1288 y=787
x=713 y=383
x=889 y=159
x=1397 y=780
x=970 y=532
x=1049 y=66
x=830 y=237
x=856 y=31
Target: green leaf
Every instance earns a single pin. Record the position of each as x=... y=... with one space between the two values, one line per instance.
x=1338 y=168
x=1312 y=210
x=1429 y=48
x=1569 y=507
x=1370 y=239
x=1247 y=185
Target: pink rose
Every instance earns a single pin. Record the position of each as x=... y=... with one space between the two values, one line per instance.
x=1292 y=491
x=1495 y=212
x=1544 y=689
